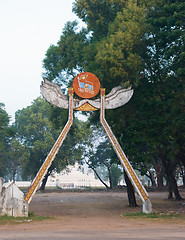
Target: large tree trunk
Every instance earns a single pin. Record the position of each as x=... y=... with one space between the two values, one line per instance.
x=175 y=188
x=170 y=190
x=151 y=177
x=44 y=181
x=183 y=179
x=130 y=191
x=159 y=174
x=169 y=167
x=172 y=186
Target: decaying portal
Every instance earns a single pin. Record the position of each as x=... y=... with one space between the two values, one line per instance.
x=86 y=85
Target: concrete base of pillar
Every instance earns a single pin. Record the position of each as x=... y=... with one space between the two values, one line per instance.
x=147 y=206
x=12 y=201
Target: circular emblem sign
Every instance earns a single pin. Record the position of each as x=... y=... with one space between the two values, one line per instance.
x=86 y=85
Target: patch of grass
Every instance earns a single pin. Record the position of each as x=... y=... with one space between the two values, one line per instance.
x=167 y=215
x=37 y=217
x=15 y=220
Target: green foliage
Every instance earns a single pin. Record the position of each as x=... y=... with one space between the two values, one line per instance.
x=138 y=44
x=9 y=220
x=117 y=54
x=6 y=132
x=116 y=174
x=98 y=14
x=63 y=60
x=18 y=157
x=141 y=215
x=38 y=127
x=35 y=130
x=100 y=157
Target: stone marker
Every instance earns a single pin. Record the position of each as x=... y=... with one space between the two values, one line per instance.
x=12 y=201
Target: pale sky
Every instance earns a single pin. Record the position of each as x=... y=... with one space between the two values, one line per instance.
x=27 y=29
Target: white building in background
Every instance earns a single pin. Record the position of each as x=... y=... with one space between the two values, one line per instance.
x=77 y=176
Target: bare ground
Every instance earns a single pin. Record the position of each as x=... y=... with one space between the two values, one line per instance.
x=97 y=215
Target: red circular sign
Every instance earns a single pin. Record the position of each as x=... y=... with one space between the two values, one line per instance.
x=86 y=85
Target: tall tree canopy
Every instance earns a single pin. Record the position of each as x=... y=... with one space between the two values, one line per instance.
x=66 y=58
x=35 y=129
x=6 y=134
x=138 y=44
x=98 y=14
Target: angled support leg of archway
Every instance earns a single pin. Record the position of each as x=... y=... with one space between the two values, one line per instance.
x=147 y=207
x=51 y=156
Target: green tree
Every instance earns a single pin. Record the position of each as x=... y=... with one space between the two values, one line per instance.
x=35 y=129
x=142 y=45
x=165 y=75
x=67 y=57
x=93 y=43
x=100 y=157
x=6 y=132
x=155 y=127
x=98 y=14
x=117 y=54
x=18 y=157
x=103 y=157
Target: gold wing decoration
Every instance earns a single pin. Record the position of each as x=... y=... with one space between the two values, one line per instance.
x=116 y=98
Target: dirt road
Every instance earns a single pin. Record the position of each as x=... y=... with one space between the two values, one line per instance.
x=96 y=215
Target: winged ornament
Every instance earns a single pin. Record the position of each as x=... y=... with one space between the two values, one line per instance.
x=116 y=98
